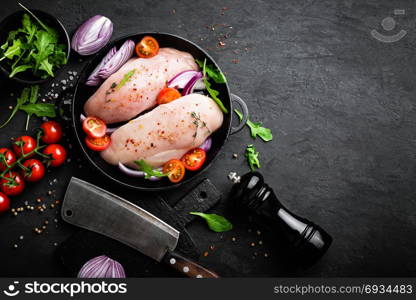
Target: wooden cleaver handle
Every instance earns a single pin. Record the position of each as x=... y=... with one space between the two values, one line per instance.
x=187 y=267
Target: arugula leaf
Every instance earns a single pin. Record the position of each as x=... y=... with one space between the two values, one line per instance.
x=40 y=109
x=13 y=50
x=252 y=157
x=24 y=97
x=19 y=69
x=256 y=128
x=214 y=93
x=34 y=90
x=213 y=73
x=148 y=169
x=215 y=222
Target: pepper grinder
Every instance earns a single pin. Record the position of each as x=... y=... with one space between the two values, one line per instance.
x=308 y=240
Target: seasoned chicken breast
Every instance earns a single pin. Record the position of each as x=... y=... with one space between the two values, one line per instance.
x=166 y=132
x=134 y=88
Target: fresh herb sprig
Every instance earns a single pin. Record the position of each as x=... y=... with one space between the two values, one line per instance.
x=27 y=102
x=148 y=169
x=215 y=222
x=256 y=128
x=218 y=77
x=198 y=123
x=252 y=157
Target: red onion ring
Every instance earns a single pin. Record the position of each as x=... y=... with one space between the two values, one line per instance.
x=206 y=146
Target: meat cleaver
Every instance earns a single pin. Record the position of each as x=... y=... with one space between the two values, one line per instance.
x=90 y=207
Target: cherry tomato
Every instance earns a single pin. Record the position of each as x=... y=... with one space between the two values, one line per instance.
x=147 y=47
x=98 y=144
x=52 y=132
x=13 y=184
x=57 y=153
x=9 y=156
x=4 y=203
x=194 y=159
x=23 y=145
x=167 y=95
x=94 y=127
x=36 y=170
x=175 y=170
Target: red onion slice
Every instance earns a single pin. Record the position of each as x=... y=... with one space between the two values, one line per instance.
x=118 y=60
x=181 y=79
x=136 y=173
x=94 y=79
x=189 y=87
x=206 y=146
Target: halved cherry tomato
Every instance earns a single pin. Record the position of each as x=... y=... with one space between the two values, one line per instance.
x=94 y=127
x=13 y=184
x=4 y=203
x=167 y=95
x=35 y=172
x=194 y=159
x=23 y=145
x=57 y=153
x=147 y=47
x=9 y=156
x=175 y=170
x=52 y=132
x=98 y=144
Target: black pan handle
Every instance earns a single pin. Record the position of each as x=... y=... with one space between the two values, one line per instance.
x=244 y=110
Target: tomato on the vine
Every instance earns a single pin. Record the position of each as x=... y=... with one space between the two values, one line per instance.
x=7 y=157
x=52 y=132
x=35 y=170
x=24 y=145
x=12 y=184
x=4 y=203
x=57 y=154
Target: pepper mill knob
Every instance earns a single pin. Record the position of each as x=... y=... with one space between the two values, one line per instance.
x=308 y=240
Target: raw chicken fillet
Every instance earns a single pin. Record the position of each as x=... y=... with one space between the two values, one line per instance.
x=166 y=132
x=114 y=102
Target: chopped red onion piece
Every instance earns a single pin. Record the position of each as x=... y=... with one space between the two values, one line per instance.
x=102 y=267
x=82 y=117
x=92 y=35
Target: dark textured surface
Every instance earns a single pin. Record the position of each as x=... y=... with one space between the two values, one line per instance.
x=341 y=107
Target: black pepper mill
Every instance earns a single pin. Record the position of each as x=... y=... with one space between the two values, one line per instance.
x=308 y=240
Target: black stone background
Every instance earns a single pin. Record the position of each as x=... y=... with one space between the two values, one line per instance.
x=342 y=110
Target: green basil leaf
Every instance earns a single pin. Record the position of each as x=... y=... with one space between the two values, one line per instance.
x=40 y=109
x=215 y=222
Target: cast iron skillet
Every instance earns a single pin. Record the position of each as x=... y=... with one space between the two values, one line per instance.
x=83 y=92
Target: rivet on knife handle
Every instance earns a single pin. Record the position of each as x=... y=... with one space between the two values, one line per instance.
x=187 y=267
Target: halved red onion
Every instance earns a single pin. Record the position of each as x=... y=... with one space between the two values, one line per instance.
x=102 y=267
x=190 y=86
x=118 y=60
x=94 y=79
x=92 y=35
x=136 y=173
x=206 y=146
